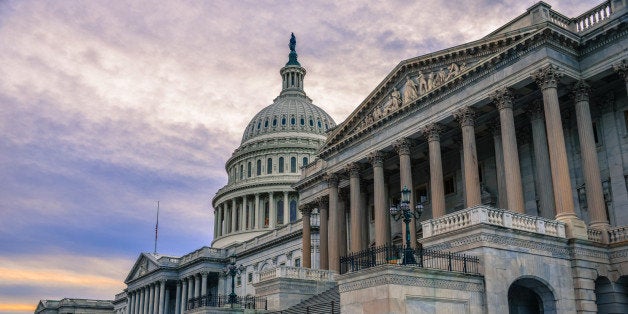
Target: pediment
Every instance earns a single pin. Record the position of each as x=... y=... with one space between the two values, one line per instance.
x=420 y=78
x=145 y=264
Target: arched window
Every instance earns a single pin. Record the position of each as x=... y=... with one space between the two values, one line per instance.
x=293 y=121
x=280 y=164
x=241 y=172
x=259 y=124
x=293 y=211
x=319 y=124
x=326 y=127
x=302 y=121
x=283 y=121
x=266 y=213
x=248 y=169
x=259 y=167
x=266 y=123
x=275 y=122
x=311 y=122
x=280 y=212
x=293 y=164
x=305 y=161
x=269 y=166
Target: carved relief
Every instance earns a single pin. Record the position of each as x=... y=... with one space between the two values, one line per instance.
x=410 y=92
x=622 y=69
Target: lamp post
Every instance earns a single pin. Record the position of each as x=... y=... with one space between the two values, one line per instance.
x=233 y=270
x=404 y=211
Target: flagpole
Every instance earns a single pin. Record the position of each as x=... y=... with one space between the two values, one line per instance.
x=156 y=228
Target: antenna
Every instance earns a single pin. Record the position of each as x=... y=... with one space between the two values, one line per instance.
x=156 y=228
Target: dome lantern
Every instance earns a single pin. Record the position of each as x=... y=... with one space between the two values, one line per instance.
x=292 y=74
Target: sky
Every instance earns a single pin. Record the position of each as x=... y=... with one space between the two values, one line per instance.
x=107 y=107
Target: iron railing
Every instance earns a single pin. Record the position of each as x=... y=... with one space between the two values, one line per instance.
x=393 y=254
x=209 y=300
x=331 y=307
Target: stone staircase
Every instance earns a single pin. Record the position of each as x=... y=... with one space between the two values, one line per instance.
x=327 y=302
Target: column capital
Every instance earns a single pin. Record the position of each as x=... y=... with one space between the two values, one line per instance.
x=547 y=76
x=376 y=158
x=503 y=98
x=465 y=116
x=306 y=209
x=322 y=202
x=402 y=146
x=332 y=179
x=432 y=132
x=353 y=169
x=580 y=91
x=535 y=110
x=204 y=273
x=622 y=69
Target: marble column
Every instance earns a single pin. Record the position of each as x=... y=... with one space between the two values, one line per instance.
x=306 y=240
x=242 y=220
x=204 y=283
x=542 y=169
x=151 y=298
x=184 y=295
x=162 y=296
x=547 y=79
x=333 y=232
x=190 y=288
x=342 y=224
x=166 y=304
x=323 y=246
x=502 y=199
x=466 y=118
x=234 y=215
x=258 y=213
x=156 y=302
x=286 y=208
x=402 y=147
x=228 y=220
x=437 y=186
x=377 y=161
x=251 y=214
x=356 y=210
x=197 y=286
x=503 y=98
x=136 y=308
x=364 y=203
x=590 y=166
x=129 y=302
x=622 y=69
x=272 y=211
x=223 y=212
x=177 y=299
x=141 y=301
x=218 y=222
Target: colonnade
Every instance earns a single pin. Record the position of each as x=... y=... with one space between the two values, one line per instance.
x=556 y=195
x=248 y=212
x=155 y=297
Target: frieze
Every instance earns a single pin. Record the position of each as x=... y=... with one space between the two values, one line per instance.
x=405 y=280
x=581 y=252
x=619 y=254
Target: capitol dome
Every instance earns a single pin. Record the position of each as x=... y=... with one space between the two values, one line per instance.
x=280 y=139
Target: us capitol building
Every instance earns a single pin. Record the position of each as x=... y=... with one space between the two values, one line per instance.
x=507 y=158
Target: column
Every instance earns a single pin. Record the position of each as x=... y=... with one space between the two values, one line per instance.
x=437 y=186
x=332 y=237
x=156 y=294
x=234 y=215
x=306 y=240
x=151 y=298
x=190 y=287
x=382 y=228
x=136 y=308
x=590 y=166
x=141 y=301
x=223 y=219
x=323 y=233
x=204 y=283
x=502 y=200
x=129 y=302
x=541 y=161
x=197 y=286
x=162 y=296
x=184 y=295
x=177 y=298
x=503 y=98
x=364 y=202
x=342 y=224
x=218 y=226
x=166 y=304
x=286 y=208
x=258 y=213
x=242 y=222
x=228 y=220
x=402 y=147
x=272 y=211
x=356 y=210
x=466 y=118
x=215 y=223
x=547 y=79
x=251 y=214
x=622 y=69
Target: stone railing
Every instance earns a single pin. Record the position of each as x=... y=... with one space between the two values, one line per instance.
x=595 y=235
x=203 y=252
x=492 y=216
x=296 y=273
x=618 y=234
x=592 y=17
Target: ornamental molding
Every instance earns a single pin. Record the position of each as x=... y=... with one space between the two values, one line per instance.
x=465 y=116
x=547 y=76
x=622 y=69
x=353 y=169
x=503 y=98
x=376 y=158
x=402 y=146
x=432 y=132
x=580 y=91
x=406 y=280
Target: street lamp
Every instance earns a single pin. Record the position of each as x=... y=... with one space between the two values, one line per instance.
x=404 y=211
x=233 y=270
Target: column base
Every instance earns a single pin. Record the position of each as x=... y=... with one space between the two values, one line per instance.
x=574 y=227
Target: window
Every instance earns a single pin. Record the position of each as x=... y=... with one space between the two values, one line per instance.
x=319 y=124
x=238 y=280
x=293 y=211
x=259 y=167
x=266 y=210
x=241 y=172
x=281 y=165
x=450 y=187
x=283 y=121
x=248 y=169
x=311 y=122
x=297 y=262
x=259 y=124
x=293 y=164
x=293 y=121
x=302 y=121
x=280 y=212
x=269 y=166
x=304 y=161
x=249 y=277
x=266 y=123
